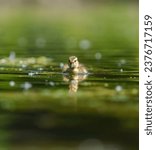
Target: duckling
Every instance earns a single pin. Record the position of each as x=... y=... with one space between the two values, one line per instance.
x=74 y=66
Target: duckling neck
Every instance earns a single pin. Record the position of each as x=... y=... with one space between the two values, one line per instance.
x=75 y=70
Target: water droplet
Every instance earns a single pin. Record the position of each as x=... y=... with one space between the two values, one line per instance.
x=40 y=69
x=85 y=44
x=31 y=73
x=61 y=65
x=106 y=84
x=24 y=65
x=121 y=62
x=3 y=61
x=31 y=60
x=121 y=70
x=134 y=91
x=12 y=83
x=21 y=62
x=40 y=42
x=12 y=56
x=98 y=56
x=51 y=83
x=118 y=88
x=26 y=85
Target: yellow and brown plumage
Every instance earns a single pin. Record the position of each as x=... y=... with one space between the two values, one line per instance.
x=74 y=66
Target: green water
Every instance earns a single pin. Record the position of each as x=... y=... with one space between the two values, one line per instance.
x=38 y=109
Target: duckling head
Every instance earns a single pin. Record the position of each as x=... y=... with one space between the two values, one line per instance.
x=73 y=62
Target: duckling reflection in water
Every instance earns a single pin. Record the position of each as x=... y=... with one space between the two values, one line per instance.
x=73 y=81
x=76 y=73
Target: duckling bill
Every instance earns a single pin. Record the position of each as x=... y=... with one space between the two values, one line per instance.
x=74 y=66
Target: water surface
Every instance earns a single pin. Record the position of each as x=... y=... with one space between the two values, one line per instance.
x=43 y=109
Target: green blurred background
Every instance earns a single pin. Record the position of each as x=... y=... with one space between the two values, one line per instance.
x=40 y=27
x=36 y=110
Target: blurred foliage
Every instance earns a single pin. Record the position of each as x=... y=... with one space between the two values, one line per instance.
x=46 y=32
